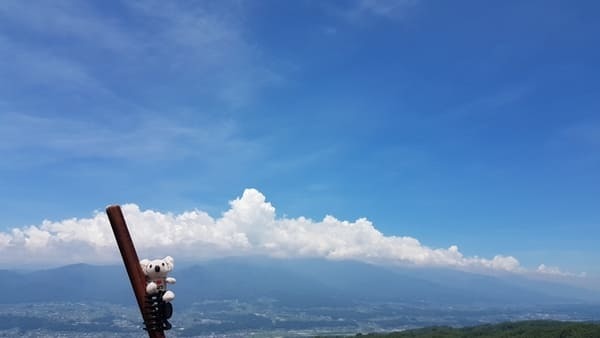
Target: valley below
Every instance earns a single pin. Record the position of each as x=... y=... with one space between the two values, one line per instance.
x=281 y=298
x=266 y=318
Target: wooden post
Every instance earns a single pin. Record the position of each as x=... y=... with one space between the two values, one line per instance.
x=132 y=262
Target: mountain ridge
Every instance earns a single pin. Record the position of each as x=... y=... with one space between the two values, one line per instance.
x=309 y=282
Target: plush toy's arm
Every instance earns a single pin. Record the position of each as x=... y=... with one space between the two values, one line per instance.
x=170 y=280
x=168 y=296
x=151 y=288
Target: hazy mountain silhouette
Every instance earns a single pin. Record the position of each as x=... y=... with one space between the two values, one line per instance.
x=294 y=282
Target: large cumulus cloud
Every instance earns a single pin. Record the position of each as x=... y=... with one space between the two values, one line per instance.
x=249 y=227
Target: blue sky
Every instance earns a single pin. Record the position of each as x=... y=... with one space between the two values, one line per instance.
x=464 y=123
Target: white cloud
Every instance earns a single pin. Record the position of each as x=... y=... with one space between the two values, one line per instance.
x=390 y=8
x=553 y=270
x=249 y=227
x=360 y=10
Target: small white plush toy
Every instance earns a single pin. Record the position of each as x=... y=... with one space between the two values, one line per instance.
x=156 y=276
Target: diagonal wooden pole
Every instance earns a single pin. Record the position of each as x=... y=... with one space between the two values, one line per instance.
x=132 y=263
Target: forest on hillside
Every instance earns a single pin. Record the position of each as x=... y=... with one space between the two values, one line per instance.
x=524 y=329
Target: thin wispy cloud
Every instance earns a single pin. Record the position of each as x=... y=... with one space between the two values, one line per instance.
x=360 y=10
x=585 y=132
x=104 y=71
x=150 y=139
x=391 y=9
x=206 y=50
x=26 y=66
x=501 y=101
x=68 y=19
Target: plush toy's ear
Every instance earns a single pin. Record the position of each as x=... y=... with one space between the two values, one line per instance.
x=169 y=260
x=144 y=263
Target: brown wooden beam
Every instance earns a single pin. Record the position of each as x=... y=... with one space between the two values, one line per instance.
x=131 y=261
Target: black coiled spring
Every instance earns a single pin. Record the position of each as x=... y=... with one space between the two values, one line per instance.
x=158 y=312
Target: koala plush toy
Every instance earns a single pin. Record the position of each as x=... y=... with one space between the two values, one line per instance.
x=156 y=276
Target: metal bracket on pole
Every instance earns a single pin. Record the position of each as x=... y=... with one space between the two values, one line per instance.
x=132 y=264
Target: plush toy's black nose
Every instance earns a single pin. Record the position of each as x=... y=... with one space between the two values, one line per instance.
x=157 y=268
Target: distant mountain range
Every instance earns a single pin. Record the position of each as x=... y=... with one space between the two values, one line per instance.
x=297 y=282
